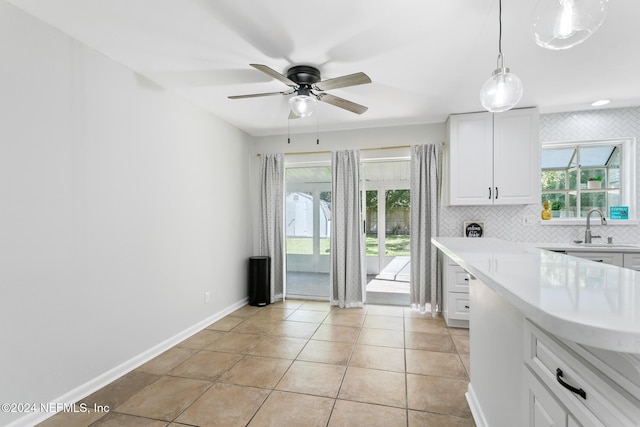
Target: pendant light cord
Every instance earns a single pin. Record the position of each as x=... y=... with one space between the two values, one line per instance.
x=500 y=61
x=500 y=27
x=503 y=90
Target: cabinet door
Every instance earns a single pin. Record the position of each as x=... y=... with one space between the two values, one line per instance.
x=470 y=159
x=543 y=410
x=516 y=157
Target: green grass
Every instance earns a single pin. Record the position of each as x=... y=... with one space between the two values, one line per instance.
x=396 y=245
x=304 y=245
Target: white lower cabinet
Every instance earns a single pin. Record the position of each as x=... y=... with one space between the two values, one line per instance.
x=455 y=291
x=523 y=375
x=613 y=258
x=625 y=259
x=632 y=261
x=562 y=389
x=543 y=409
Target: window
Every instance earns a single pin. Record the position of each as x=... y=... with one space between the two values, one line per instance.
x=579 y=176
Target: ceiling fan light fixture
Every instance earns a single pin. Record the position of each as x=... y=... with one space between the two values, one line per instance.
x=562 y=24
x=304 y=103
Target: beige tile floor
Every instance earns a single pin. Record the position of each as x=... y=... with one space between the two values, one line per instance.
x=298 y=363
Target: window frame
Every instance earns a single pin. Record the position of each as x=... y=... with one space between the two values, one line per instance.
x=627 y=147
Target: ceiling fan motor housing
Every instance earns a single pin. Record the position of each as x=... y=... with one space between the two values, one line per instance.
x=304 y=75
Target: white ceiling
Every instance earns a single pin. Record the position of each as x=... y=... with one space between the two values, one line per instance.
x=426 y=58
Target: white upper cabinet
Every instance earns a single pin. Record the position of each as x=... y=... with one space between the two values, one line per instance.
x=493 y=158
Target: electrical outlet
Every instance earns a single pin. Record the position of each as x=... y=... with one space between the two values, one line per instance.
x=207 y=297
x=528 y=220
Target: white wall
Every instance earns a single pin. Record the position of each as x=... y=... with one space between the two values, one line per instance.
x=120 y=205
x=352 y=139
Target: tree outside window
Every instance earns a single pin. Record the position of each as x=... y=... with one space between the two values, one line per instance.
x=580 y=176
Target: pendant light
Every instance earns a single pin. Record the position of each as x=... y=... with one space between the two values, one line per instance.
x=503 y=90
x=561 y=24
x=303 y=104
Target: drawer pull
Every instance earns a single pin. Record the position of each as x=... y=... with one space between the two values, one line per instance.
x=580 y=392
x=466 y=279
x=466 y=306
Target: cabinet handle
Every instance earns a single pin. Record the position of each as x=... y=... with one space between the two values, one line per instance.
x=598 y=260
x=466 y=306
x=489 y=192
x=580 y=392
x=496 y=193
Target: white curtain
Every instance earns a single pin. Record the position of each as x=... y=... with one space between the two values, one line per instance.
x=272 y=220
x=426 y=281
x=347 y=274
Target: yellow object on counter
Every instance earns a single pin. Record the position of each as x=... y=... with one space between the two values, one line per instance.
x=546 y=212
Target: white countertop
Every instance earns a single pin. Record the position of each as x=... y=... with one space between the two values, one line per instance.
x=589 y=303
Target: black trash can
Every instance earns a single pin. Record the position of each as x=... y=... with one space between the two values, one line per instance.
x=259 y=280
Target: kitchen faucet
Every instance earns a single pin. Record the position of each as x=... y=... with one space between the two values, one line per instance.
x=587 y=232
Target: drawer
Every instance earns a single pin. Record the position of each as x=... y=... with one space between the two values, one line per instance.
x=594 y=400
x=622 y=368
x=459 y=279
x=458 y=304
x=604 y=257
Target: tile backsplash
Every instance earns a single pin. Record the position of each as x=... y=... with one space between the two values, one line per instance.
x=507 y=222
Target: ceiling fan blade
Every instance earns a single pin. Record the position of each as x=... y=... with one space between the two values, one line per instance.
x=344 y=81
x=256 y=95
x=342 y=103
x=276 y=75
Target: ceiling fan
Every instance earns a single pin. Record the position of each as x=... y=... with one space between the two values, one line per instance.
x=306 y=83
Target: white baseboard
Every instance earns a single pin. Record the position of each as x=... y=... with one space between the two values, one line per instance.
x=476 y=410
x=111 y=375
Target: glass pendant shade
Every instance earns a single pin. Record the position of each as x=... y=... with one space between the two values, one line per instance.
x=501 y=92
x=302 y=105
x=561 y=24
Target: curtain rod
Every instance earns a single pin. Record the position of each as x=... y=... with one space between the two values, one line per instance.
x=329 y=152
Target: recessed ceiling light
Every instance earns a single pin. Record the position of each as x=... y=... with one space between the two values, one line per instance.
x=600 y=102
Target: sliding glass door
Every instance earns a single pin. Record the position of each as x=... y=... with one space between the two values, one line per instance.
x=387 y=226
x=308 y=225
x=386 y=207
